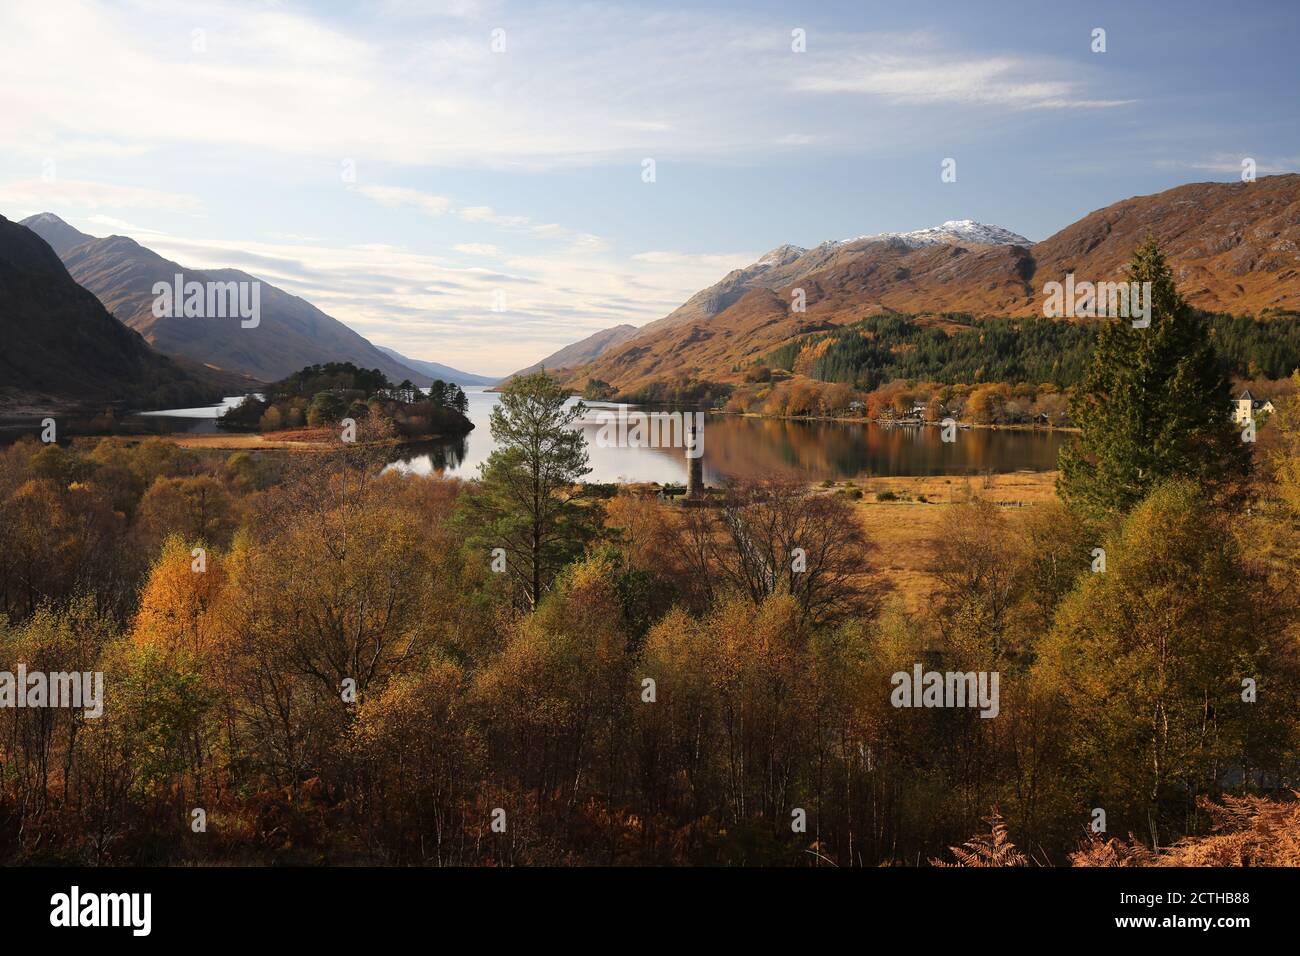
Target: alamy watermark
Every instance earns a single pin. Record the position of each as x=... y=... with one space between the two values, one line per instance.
x=1091 y=300
x=72 y=689
x=75 y=908
x=210 y=300
x=624 y=429
x=923 y=688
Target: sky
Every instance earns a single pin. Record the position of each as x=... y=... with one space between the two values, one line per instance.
x=470 y=182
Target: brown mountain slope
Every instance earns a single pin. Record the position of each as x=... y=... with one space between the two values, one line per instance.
x=853 y=282
x=782 y=266
x=583 y=351
x=1234 y=247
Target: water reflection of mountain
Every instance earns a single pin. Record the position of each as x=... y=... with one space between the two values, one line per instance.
x=736 y=447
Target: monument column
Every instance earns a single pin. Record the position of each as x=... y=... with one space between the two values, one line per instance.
x=694 y=458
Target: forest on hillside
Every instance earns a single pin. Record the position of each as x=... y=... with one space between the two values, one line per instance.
x=1035 y=351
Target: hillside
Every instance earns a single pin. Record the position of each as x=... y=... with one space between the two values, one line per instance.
x=1234 y=247
x=292 y=333
x=437 y=370
x=584 y=350
x=57 y=339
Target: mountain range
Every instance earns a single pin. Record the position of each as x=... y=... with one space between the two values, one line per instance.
x=58 y=340
x=1234 y=247
x=584 y=350
x=439 y=371
x=291 y=332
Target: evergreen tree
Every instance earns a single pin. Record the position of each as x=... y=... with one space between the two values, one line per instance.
x=1154 y=404
x=527 y=500
x=458 y=400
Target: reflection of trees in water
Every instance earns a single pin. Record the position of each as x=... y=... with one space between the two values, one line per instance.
x=440 y=454
x=763 y=448
x=758 y=448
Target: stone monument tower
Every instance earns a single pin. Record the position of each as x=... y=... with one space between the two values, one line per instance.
x=694 y=458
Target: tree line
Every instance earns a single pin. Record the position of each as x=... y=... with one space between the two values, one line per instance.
x=958 y=349
x=324 y=394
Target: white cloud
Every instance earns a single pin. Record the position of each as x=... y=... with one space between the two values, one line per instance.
x=428 y=204
x=463 y=9
x=89 y=195
x=406 y=88
x=581 y=241
x=996 y=81
x=486 y=214
x=437 y=308
x=120 y=225
x=1231 y=163
x=395 y=196
x=647 y=126
x=477 y=249
x=720 y=261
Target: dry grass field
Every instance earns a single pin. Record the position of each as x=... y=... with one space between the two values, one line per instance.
x=242 y=441
x=903 y=530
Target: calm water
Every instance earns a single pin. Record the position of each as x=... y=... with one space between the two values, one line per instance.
x=201 y=420
x=736 y=447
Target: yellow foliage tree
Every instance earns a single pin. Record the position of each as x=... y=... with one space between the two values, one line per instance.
x=177 y=599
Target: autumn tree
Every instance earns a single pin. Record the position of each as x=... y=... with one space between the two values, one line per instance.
x=781 y=537
x=1275 y=530
x=197 y=508
x=176 y=599
x=987 y=404
x=979 y=576
x=733 y=717
x=555 y=703
x=1165 y=663
x=55 y=541
x=416 y=756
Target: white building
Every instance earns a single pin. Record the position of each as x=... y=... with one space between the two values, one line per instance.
x=1245 y=407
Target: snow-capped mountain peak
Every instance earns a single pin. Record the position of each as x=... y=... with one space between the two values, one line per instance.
x=781 y=255
x=45 y=218
x=952 y=231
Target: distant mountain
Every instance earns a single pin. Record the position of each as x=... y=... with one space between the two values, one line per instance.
x=57 y=339
x=1234 y=247
x=291 y=333
x=61 y=237
x=584 y=350
x=952 y=232
x=787 y=264
x=439 y=371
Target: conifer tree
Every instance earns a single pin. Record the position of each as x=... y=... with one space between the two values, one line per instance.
x=527 y=501
x=1153 y=405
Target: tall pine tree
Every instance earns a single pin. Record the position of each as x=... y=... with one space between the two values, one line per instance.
x=528 y=498
x=1154 y=404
